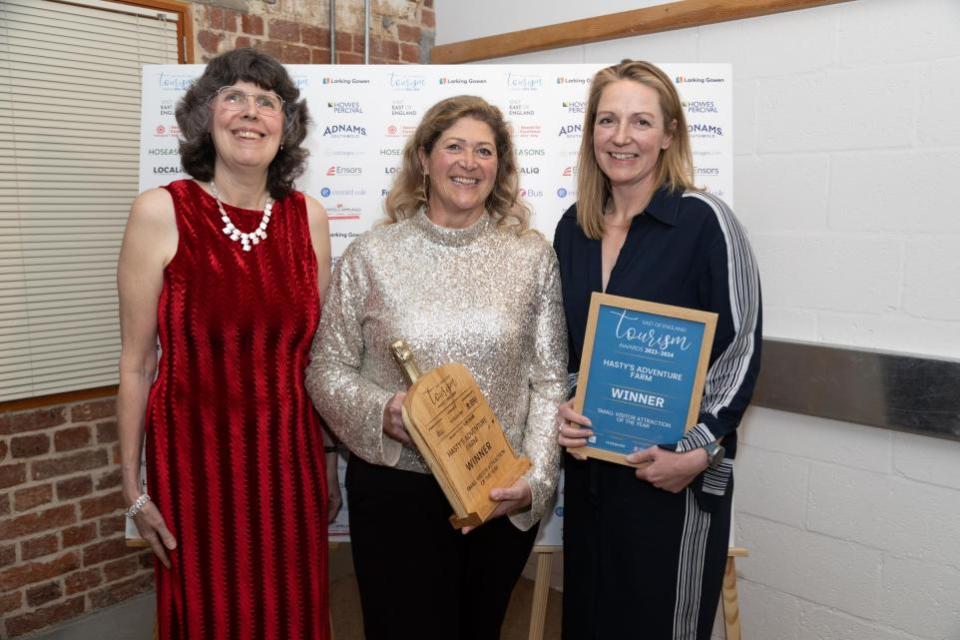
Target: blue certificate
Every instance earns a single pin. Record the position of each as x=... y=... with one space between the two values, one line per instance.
x=642 y=373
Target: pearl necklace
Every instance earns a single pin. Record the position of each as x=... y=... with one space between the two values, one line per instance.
x=248 y=240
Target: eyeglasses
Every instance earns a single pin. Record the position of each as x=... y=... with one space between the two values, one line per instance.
x=233 y=99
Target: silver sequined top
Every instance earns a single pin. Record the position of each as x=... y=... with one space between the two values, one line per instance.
x=480 y=296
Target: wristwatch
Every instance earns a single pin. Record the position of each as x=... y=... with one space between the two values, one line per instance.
x=715 y=453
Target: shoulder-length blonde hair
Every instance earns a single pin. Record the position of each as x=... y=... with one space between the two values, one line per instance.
x=675 y=164
x=410 y=190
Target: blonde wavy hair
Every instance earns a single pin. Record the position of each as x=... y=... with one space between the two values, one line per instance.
x=410 y=190
x=675 y=164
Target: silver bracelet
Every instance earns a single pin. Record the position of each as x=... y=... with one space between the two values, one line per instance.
x=137 y=505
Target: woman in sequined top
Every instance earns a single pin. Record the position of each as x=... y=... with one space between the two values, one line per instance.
x=457 y=272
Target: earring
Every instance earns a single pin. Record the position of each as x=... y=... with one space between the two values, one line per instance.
x=425 y=187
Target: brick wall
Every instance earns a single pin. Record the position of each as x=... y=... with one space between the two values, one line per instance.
x=401 y=31
x=62 y=548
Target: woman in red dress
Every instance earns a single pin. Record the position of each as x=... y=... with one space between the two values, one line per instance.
x=226 y=273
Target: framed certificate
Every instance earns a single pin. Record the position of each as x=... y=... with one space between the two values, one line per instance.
x=642 y=373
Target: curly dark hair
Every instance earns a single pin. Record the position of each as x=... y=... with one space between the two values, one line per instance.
x=197 y=152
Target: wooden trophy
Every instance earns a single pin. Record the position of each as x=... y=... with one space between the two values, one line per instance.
x=453 y=426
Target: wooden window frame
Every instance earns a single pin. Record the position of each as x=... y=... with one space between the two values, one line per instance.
x=638 y=22
x=185 y=55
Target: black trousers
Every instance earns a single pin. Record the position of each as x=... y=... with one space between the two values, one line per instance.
x=639 y=562
x=418 y=576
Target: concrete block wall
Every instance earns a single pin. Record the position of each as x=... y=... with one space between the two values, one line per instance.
x=846 y=139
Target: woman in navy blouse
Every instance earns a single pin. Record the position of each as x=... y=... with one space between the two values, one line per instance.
x=645 y=549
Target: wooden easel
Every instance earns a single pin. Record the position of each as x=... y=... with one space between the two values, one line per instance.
x=730 y=596
x=541 y=592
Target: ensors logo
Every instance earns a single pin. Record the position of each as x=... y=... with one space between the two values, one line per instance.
x=167 y=170
x=701 y=106
x=707 y=171
x=530 y=171
x=571 y=131
x=344 y=131
x=337 y=170
x=574 y=106
x=569 y=171
x=404 y=82
x=518 y=82
x=531 y=152
x=566 y=80
x=351 y=106
x=704 y=130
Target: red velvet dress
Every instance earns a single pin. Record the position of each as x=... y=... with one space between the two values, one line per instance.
x=234 y=447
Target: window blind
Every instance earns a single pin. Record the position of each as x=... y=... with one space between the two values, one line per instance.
x=69 y=139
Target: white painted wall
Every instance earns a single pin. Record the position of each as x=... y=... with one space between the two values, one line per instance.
x=847 y=142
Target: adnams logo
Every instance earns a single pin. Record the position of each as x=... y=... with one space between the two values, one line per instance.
x=705 y=130
x=344 y=131
x=571 y=131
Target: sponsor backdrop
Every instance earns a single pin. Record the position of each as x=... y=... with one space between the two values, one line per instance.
x=363 y=115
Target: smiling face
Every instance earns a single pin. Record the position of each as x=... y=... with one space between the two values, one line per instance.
x=245 y=137
x=629 y=133
x=461 y=168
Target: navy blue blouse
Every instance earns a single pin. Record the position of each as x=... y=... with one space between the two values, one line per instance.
x=687 y=249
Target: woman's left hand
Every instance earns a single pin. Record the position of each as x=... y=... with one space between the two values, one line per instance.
x=668 y=470
x=510 y=499
x=334 y=499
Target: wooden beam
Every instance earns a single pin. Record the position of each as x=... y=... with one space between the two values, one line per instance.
x=663 y=17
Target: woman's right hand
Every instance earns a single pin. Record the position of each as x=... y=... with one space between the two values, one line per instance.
x=393 y=419
x=574 y=429
x=154 y=530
